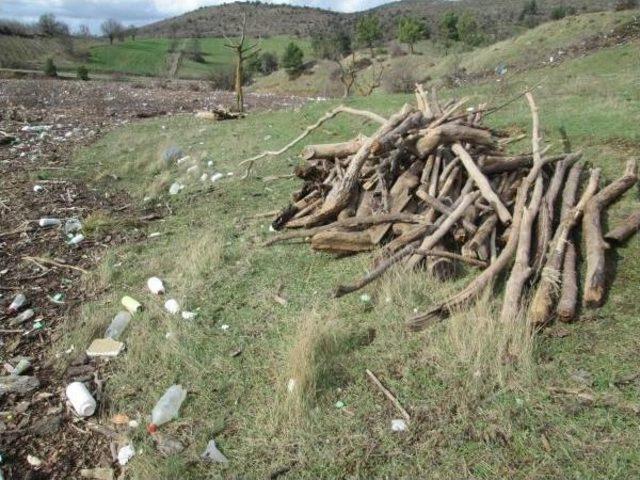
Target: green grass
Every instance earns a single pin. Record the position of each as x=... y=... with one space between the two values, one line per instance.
x=473 y=417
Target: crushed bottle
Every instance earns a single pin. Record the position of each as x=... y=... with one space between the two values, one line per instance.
x=118 y=325
x=167 y=408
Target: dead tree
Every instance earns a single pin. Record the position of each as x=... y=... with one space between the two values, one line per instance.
x=243 y=53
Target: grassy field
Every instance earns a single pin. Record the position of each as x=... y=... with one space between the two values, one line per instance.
x=473 y=415
x=150 y=56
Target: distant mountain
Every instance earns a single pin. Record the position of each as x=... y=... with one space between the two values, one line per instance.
x=497 y=17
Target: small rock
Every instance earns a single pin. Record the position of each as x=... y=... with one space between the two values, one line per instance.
x=212 y=454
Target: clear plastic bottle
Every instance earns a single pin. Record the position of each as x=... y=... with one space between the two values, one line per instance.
x=118 y=325
x=167 y=407
x=18 y=302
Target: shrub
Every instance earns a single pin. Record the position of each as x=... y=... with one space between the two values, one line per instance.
x=268 y=63
x=82 y=73
x=401 y=77
x=50 y=69
x=225 y=78
x=558 y=12
x=625 y=5
x=292 y=60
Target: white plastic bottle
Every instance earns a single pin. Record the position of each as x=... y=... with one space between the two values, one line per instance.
x=49 y=222
x=167 y=407
x=81 y=400
x=18 y=302
x=118 y=325
x=172 y=306
x=131 y=304
x=155 y=285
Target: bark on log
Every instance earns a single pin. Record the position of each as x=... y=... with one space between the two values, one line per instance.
x=546 y=294
x=333 y=150
x=569 y=294
x=482 y=183
x=595 y=281
x=521 y=270
x=626 y=229
x=481 y=236
x=444 y=209
x=339 y=241
x=446 y=134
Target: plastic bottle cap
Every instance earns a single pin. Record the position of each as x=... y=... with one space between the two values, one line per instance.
x=152 y=428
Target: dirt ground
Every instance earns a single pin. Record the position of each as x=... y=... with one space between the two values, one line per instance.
x=42 y=123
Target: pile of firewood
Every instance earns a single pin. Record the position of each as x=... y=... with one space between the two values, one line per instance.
x=434 y=188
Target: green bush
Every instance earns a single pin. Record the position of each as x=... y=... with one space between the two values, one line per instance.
x=82 y=73
x=292 y=60
x=50 y=69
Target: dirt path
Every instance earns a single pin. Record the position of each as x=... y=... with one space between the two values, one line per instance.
x=42 y=122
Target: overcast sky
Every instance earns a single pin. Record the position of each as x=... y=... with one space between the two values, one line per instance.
x=138 y=12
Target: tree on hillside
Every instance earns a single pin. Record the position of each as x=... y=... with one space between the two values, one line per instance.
x=449 y=27
x=369 y=32
x=410 y=31
x=132 y=31
x=469 y=30
x=243 y=53
x=292 y=60
x=112 y=29
x=195 y=51
x=528 y=15
x=48 y=25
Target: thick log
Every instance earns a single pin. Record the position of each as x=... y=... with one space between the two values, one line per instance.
x=626 y=229
x=568 y=302
x=478 y=285
x=521 y=270
x=595 y=246
x=387 y=141
x=492 y=165
x=333 y=150
x=444 y=209
x=339 y=241
x=546 y=294
x=470 y=249
x=451 y=133
x=452 y=256
x=482 y=183
x=441 y=267
x=341 y=192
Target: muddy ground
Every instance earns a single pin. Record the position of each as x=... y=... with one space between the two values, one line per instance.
x=42 y=123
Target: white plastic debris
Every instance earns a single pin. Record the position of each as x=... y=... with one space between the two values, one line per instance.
x=172 y=306
x=193 y=170
x=398 y=425
x=182 y=160
x=76 y=239
x=72 y=225
x=204 y=177
x=175 y=188
x=167 y=408
x=49 y=222
x=216 y=176
x=210 y=163
x=365 y=298
x=188 y=315
x=212 y=454
x=23 y=317
x=155 y=285
x=17 y=303
x=33 y=461
x=81 y=399
x=224 y=327
x=291 y=385
x=38 y=188
x=118 y=325
x=125 y=454
x=105 y=347
x=131 y=304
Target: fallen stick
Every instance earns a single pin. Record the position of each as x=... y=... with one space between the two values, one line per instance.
x=594 y=284
x=566 y=310
x=38 y=260
x=327 y=116
x=394 y=401
x=626 y=229
x=442 y=208
x=483 y=184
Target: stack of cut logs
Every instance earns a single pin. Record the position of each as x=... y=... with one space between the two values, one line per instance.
x=435 y=188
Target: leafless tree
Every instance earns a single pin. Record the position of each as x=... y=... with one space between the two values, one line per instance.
x=243 y=53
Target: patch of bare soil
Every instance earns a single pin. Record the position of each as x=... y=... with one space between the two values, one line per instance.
x=42 y=123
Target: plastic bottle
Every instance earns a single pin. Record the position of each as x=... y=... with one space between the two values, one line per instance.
x=215 y=177
x=76 y=239
x=131 y=304
x=167 y=407
x=172 y=306
x=155 y=285
x=81 y=400
x=49 y=222
x=118 y=325
x=23 y=317
x=18 y=302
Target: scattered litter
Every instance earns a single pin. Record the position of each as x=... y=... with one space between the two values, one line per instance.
x=193 y=170
x=182 y=160
x=171 y=154
x=188 y=315
x=133 y=424
x=49 y=222
x=131 y=304
x=76 y=239
x=169 y=335
x=72 y=225
x=81 y=399
x=216 y=176
x=33 y=461
x=167 y=407
x=19 y=301
x=23 y=317
x=175 y=188
x=38 y=188
x=224 y=327
x=204 y=177
x=210 y=163
x=57 y=298
x=340 y=404
x=166 y=444
x=212 y=454
x=236 y=352
x=22 y=366
x=105 y=347
x=155 y=285
x=118 y=325
x=398 y=425
x=154 y=234
x=98 y=473
x=125 y=454
x=172 y=306
x=291 y=385
x=365 y=298
x=282 y=301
